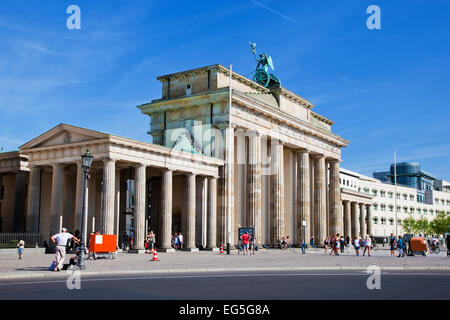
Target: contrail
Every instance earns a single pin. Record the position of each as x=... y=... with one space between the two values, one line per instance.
x=273 y=11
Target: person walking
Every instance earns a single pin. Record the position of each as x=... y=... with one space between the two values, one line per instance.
x=337 y=244
x=180 y=241
x=367 y=245
x=60 y=239
x=356 y=244
x=253 y=245
x=325 y=244
x=152 y=241
x=245 y=241
x=302 y=246
x=342 y=244
x=392 y=244
x=401 y=247
x=311 y=243
x=348 y=243
x=125 y=239
x=21 y=246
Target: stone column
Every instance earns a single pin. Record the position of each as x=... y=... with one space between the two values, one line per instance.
x=190 y=197
x=312 y=224
x=117 y=205
x=277 y=226
x=254 y=184
x=109 y=185
x=335 y=216
x=34 y=201
x=227 y=214
x=355 y=222
x=362 y=220
x=166 y=212
x=320 y=199
x=212 y=214
x=139 y=208
x=303 y=196
x=347 y=219
x=369 y=220
x=57 y=197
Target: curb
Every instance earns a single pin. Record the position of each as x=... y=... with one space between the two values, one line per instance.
x=54 y=275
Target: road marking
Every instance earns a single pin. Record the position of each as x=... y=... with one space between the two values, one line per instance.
x=360 y=274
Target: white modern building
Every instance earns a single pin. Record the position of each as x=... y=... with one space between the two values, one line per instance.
x=382 y=198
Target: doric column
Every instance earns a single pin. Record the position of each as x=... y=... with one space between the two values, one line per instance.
x=227 y=203
x=313 y=220
x=347 y=219
x=254 y=184
x=320 y=199
x=57 y=197
x=278 y=194
x=190 y=197
x=369 y=220
x=117 y=204
x=355 y=217
x=362 y=220
x=335 y=215
x=109 y=185
x=34 y=192
x=212 y=213
x=139 y=208
x=166 y=212
x=303 y=196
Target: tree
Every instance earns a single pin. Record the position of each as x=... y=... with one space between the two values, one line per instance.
x=409 y=224
x=440 y=224
x=422 y=226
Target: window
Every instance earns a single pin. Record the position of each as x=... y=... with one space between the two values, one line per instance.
x=391 y=222
x=425 y=211
x=391 y=194
x=448 y=202
x=412 y=210
x=419 y=211
x=383 y=220
x=411 y=197
x=431 y=211
x=405 y=197
x=399 y=221
x=366 y=190
x=436 y=201
x=383 y=207
x=405 y=209
x=383 y=193
x=375 y=207
x=188 y=89
x=442 y=202
x=375 y=220
x=375 y=193
x=398 y=196
x=391 y=208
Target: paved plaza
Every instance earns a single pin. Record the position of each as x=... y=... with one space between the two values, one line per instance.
x=36 y=265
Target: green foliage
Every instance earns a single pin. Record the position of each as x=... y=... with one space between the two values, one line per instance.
x=422 y=226
x=440 y=224
x=409 y=224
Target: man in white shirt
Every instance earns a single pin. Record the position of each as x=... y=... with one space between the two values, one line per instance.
x=61 y=241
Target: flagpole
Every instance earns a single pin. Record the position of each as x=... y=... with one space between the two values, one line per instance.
x=395 y=191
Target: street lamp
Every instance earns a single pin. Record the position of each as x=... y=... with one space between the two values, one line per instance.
x=86 y=166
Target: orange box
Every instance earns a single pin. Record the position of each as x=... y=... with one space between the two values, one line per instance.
x=418 y=244
x=102 y=243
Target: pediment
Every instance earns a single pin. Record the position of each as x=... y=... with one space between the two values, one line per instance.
x=63 y=134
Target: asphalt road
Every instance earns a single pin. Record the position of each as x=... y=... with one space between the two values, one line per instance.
x=237 y=286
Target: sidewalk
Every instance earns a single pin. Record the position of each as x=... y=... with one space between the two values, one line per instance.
x=35 y=265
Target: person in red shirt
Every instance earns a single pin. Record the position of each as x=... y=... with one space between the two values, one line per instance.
x=245 y=241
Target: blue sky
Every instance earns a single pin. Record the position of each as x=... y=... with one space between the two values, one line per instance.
x=383 y=88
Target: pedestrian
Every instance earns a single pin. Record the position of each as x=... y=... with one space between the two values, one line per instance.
x=337 y=244
x=60 y=239
x=311 y=243
x=125 y=239
x=283 y=242
x=393 y=244
x=325 y=244
x=356 y=244
x=303 y=245
x=20 y=245
x=152 y=241
x=175 y=241
x=367 y=245
x=342 y=244
x=180 y=240
x=253 y=245
x=332 y=244
x=245 y=241
x=348 y=243
x=401 y=247
x=146 y=242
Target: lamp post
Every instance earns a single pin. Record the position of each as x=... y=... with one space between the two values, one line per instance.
x=87 y=162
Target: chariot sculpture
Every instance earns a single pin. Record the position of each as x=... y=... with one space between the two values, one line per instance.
x=262 y=75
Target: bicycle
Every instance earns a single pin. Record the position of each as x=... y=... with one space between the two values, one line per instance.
x=435 y=249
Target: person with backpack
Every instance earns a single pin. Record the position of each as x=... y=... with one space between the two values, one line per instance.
x=401 y=247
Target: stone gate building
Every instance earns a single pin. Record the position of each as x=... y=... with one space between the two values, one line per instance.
x=283 y=158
